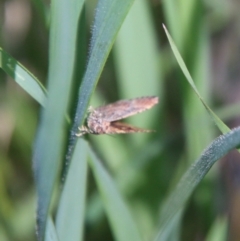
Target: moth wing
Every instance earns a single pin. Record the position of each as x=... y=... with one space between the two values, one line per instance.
x=125 y=108
x=123 y=128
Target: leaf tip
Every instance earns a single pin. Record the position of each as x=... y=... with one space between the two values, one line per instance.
x=164 y=26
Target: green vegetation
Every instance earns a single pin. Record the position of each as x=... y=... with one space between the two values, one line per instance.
x=148 y=186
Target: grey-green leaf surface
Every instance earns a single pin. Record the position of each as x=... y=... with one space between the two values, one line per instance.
x=172 y=232
x=51 y=233
x=23 y=77
x=49 y=144
x=182 y=65
x=123 y=226
x=70 y=214
x=177 y=199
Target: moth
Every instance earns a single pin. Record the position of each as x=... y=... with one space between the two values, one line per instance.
x=105 y=119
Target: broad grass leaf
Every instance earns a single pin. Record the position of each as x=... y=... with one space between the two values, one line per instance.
x=70 y=214
x=51 y=135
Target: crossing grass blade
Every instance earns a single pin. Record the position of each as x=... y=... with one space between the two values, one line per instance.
x=70 y=214
x=23 y=77
x=51 y=233
x=217 y=120
x=177 y=199
x=121 y=221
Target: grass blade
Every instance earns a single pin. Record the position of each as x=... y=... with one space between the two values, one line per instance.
x=70 y=215
x=110 y=15
x=50 y=140
x=219 y=230
x=105 y=28
x=51 y=233
x=177 y=200
x=123 y=226
x=182 y=65
x=23 y=77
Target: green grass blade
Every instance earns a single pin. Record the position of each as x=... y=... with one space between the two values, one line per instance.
x=177 y=199
x=123 y=226
x=50 y=139
x=110 y=15
x=182 y=65
x=173 y=229
x=70 y=214
x=23 y=77
x=51 y=233
x=219 y=230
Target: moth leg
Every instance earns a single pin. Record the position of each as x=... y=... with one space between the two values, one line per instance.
x=90 y=109
x=82 y=131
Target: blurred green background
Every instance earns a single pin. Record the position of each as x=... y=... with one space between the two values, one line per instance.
x=145 y=166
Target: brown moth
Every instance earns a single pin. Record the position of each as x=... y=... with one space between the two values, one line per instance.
x=104 y=119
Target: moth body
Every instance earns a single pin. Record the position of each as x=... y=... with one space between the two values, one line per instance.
x=96 y=124
x=104 y=119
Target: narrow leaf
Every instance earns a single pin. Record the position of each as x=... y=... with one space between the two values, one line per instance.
x=23 y=77
x=110 y=15
x=177 y=199
x=182 y=65
x=51 y=234
x=219 y=230
x=123 y=226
